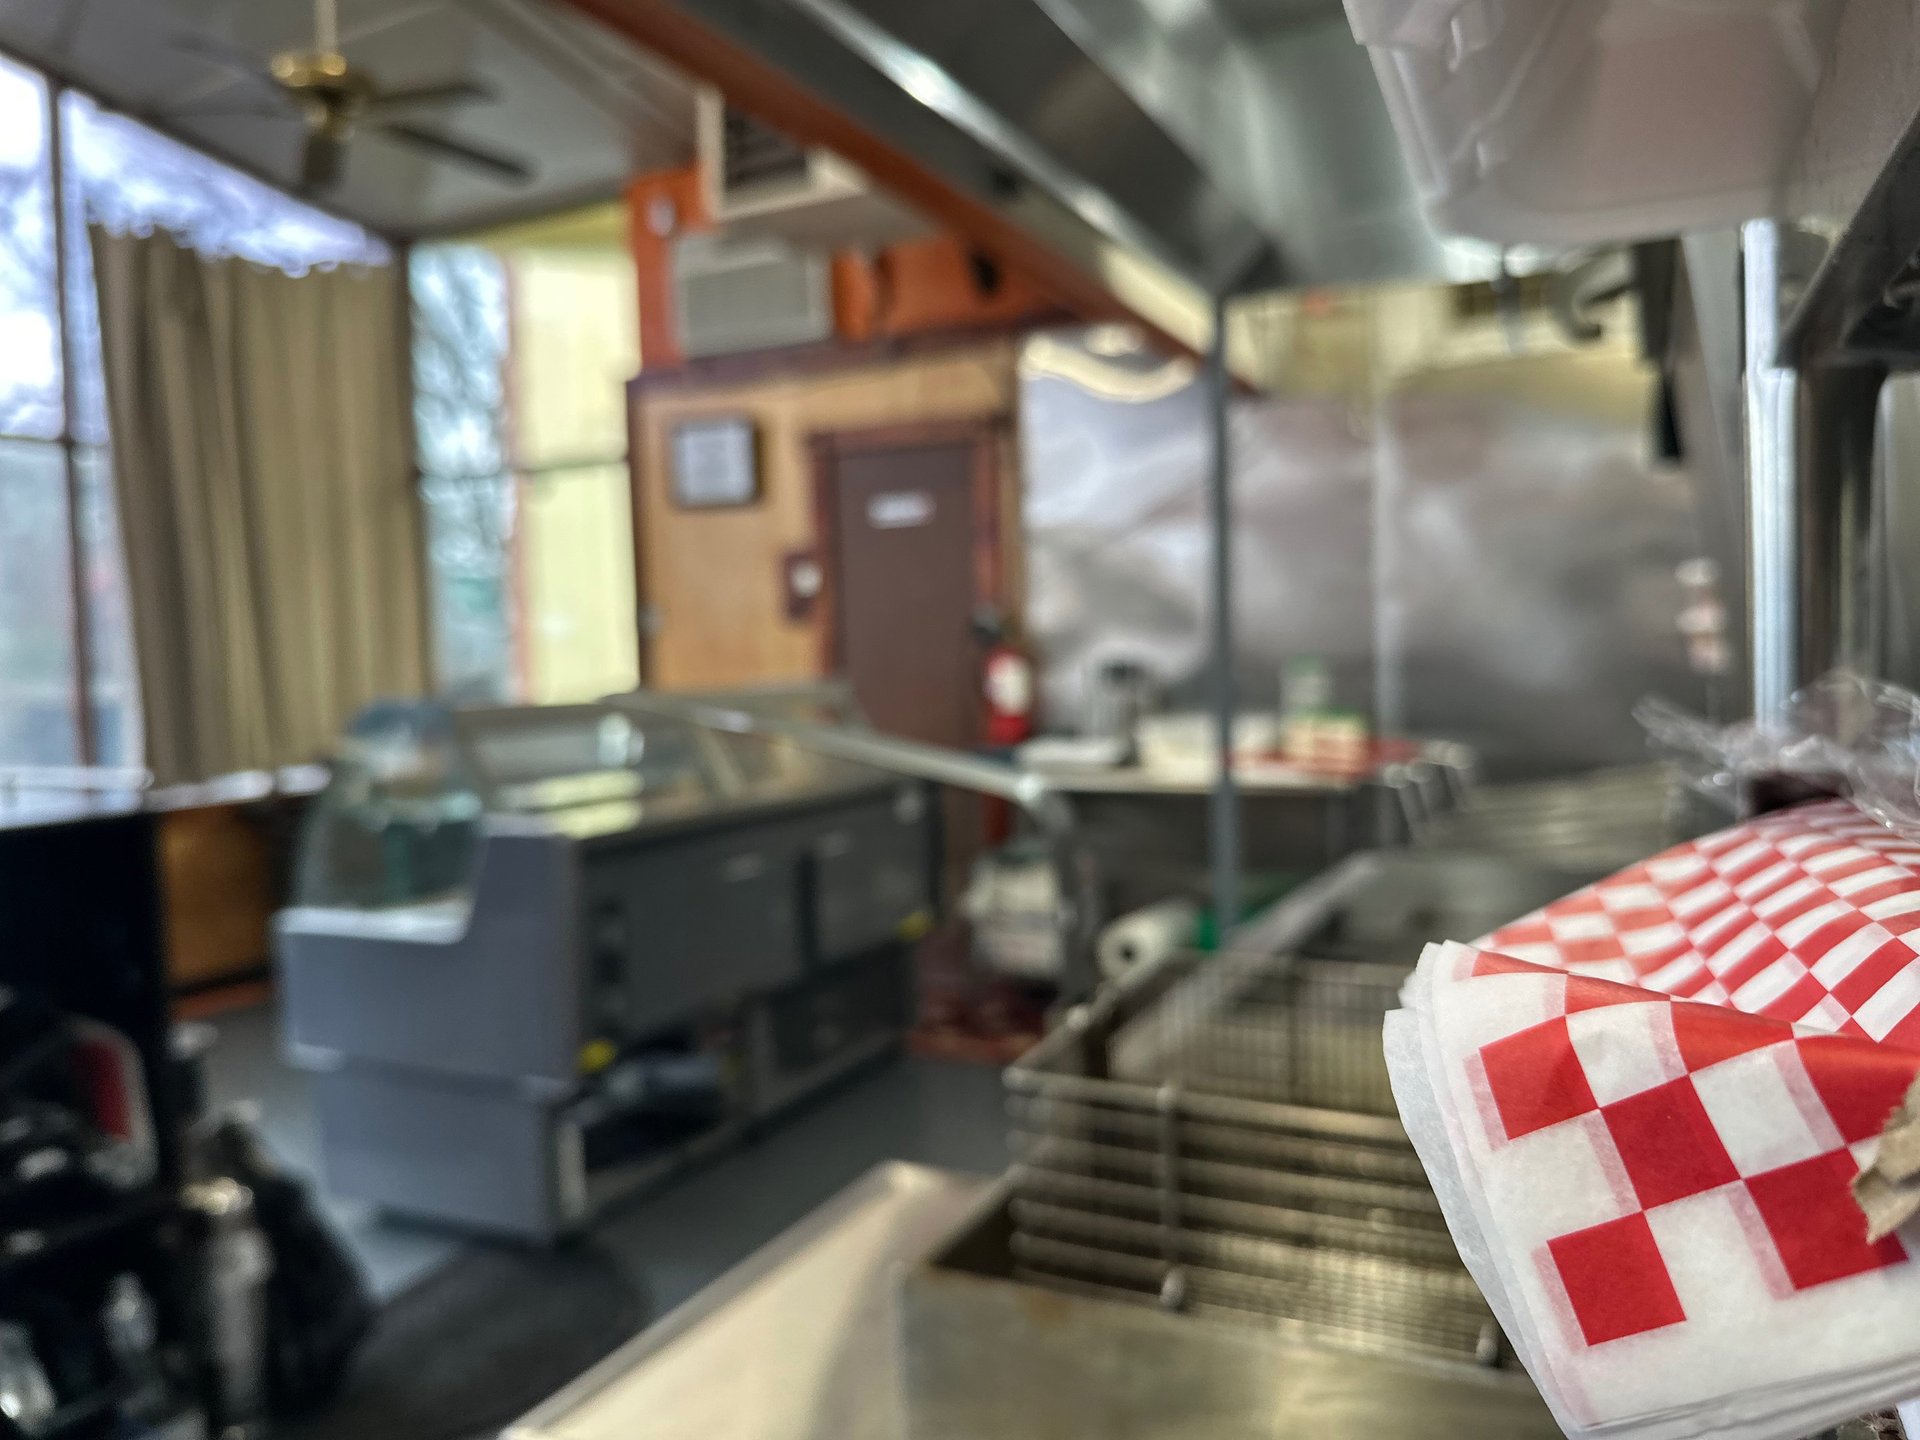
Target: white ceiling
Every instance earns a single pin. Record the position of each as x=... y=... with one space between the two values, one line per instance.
x=582 y=106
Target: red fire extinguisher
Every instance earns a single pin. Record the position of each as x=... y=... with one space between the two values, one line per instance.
x=1007 y=687
x=1007 y=684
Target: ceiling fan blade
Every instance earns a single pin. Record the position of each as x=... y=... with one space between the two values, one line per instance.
x=216 y=52
x=218 y=91
x=445 y=147
x=235 y=109
x=415 y=97
x=322 y=158
x=392 y=16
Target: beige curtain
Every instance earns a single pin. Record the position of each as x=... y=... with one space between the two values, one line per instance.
x=261 y=460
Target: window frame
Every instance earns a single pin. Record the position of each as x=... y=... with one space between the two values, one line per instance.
x=74 y=447
x=86 y=740
x=518 y=476
x=80 y=630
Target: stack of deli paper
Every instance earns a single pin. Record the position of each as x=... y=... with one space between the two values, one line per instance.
x=1810 y=915
x=1643 y=1110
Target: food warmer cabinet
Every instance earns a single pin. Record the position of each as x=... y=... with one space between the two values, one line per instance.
x=541 y=955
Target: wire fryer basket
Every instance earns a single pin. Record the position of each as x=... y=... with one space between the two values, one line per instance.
x=1221 y=1138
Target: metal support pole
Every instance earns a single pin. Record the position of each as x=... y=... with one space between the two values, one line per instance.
x=1224 y=803
x=1838 y=411
x=1809 y=452
x=1772 y=415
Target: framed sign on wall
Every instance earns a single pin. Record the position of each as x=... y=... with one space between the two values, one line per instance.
x=714 y=462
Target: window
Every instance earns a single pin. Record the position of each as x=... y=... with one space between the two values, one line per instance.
x=520 y=364
x=68 y=692
x=38 y=635
x=575 y=345
x=29 y=283
x=136 y=179
x=37 y=680
x=125 y=177
x=459 y=371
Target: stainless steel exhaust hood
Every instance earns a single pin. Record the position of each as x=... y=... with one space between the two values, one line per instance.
x=1276 y=102
x=1173 y=149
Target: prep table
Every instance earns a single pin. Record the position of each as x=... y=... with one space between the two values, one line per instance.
x=1145 y=826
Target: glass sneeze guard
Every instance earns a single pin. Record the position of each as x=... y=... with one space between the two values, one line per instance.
x=417 y=784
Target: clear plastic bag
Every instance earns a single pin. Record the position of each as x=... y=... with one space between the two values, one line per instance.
x=1844 y=734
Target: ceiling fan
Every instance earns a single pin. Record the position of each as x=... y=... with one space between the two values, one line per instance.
x=335 y=100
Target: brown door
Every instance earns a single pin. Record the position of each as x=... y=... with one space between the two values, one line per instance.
x=904 y=586
x=910 y=543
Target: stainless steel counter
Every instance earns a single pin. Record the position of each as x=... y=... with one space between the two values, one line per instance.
x=994 y=1359
x=797 y=1342
x=1592 y=824
x=883 y=1314
x=1148 y=838
x=1252 y=778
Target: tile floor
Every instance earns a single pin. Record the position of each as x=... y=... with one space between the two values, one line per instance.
x=676 y=1239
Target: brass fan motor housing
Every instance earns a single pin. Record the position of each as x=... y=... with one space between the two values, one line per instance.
x=331 y=92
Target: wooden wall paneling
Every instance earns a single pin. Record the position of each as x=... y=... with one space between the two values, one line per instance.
x=1013 y=550
x=988 y=566
x=217 y=880
x=645 y=616
x=714 y=579
x=821 y=454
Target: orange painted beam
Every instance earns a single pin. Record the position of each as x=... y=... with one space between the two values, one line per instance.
x=931 y=283
x=660 y=206
x=777 y=99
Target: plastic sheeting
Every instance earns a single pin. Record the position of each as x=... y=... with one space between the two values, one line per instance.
x=1117 y=541
x=1519 y=593
x=1845 y=734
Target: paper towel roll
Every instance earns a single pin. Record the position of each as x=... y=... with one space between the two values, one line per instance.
x=1146 y=936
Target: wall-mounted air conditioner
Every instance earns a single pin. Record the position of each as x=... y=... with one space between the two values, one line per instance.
x=734 y=293
x=760 y=183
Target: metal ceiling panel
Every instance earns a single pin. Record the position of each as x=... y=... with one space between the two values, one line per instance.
x=588 y=109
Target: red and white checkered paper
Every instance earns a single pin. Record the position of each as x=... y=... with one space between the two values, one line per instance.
x=1810 y=915
x=1654 y=1191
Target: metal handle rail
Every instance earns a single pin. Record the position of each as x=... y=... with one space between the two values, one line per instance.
x=1076 y=918
x=84 y=779
x=29 y=785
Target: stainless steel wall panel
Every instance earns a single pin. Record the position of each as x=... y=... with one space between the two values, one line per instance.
x=1488 y=553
